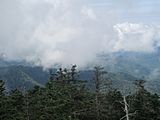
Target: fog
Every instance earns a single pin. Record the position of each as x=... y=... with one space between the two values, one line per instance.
x=49 y=32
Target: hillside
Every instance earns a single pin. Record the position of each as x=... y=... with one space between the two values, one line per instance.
x=122 y=67
x=23 y=76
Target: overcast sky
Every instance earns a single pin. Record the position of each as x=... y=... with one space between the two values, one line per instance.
x=75 y=31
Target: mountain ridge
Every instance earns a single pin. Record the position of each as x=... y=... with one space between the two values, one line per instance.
x=123 y=67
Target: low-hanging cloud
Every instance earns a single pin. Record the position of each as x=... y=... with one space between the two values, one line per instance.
x=48 y=32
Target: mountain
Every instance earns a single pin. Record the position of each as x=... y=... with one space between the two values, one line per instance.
x=23 y=76
x=137 y=64
x=19 y=76
x=122 y=67
x=140 y=65
x=117 y=80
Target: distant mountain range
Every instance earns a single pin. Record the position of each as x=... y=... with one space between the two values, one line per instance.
x=140 y=65
x=123 y=68
x=23 y=76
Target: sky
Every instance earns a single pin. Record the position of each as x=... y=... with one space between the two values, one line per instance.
x=49 y=32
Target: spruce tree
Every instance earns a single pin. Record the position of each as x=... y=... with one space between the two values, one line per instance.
x=3 y=112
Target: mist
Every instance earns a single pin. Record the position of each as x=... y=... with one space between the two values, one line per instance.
x=50 y=32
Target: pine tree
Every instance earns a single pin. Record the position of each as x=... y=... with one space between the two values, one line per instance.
x=2 y=101
x=60 y=93
x=35 y=100
x=146 y=105
x=96 y=110
x=16 y=105
x=113 y=105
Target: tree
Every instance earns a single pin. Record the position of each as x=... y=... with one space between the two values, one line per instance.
x=97 y=106
x=98 y=74
x=146 y=105
x=64 y=94
x=2 y=101
x=125 y=102
x=113 y=105
x=16 y=105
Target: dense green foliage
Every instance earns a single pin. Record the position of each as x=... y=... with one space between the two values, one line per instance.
x=66 y=97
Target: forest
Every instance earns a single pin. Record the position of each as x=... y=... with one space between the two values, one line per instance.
x=66 y=97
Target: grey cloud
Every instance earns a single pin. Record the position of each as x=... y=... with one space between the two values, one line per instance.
x=66 y=32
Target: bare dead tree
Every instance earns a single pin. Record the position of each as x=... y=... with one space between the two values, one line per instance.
x=126 y=105
x=98 y=77
x=125 y=108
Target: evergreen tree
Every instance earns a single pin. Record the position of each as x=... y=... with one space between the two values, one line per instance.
x=65 y=97
x=16 y=105
x=145 y=104
x=97 y=110
x=64 y=94
x=34 y=106
x=2 y=101
x=113 y=105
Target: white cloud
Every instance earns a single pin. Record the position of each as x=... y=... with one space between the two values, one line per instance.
x=67 y=32
x=89 y=13
x=136 y=37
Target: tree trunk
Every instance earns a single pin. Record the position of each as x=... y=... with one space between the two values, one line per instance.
x=126 y=107
x=97 y=85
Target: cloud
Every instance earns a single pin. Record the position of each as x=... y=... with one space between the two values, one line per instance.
x=48 y=32
x=154 y=74
x=136 y=37
x=88 y=13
